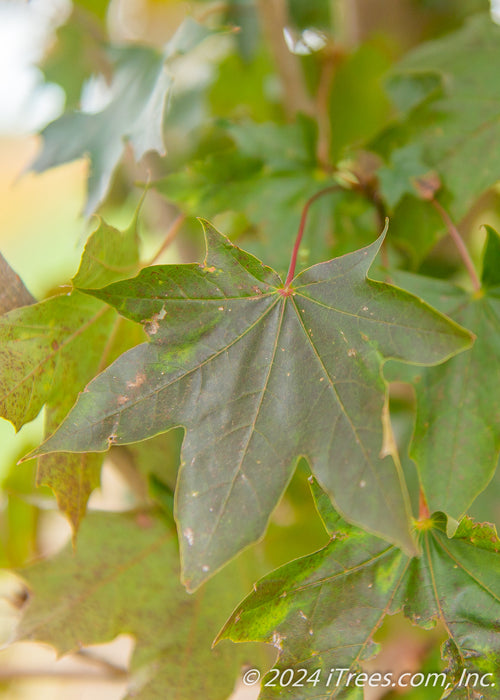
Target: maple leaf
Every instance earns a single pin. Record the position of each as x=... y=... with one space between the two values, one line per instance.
x=138 y=99
x=259 y=375
x=128 y=583
x=321 y=611
x=51 y=349
x=446 y=91
x=456 y=441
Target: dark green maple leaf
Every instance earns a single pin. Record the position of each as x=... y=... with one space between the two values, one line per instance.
x=457 y=434
x=322 y=611
x=139 y=95
x=446 y=89
x=50 y=350
x=259 y=375
x=123 y=579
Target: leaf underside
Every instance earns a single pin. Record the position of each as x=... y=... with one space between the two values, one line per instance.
x=128 y=583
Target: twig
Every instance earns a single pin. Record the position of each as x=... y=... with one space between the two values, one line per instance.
x=349 y=22
x=7 y=674
x=171 y=234
x=101 y=663
x=109 y=671
x=323 y=110
x=460 y=245
x=300 y=233
x=274 y=19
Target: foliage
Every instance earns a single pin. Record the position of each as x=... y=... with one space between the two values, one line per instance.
x=366 y=355
x=304 y=604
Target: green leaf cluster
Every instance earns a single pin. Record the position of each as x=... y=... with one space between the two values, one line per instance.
x=365 y=357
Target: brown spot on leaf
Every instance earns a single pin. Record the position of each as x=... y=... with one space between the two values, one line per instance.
x=140 y=378
x=152 y=327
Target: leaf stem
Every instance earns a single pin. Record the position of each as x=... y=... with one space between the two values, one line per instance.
x=302 y=226
x=460 y=245
x=423 y=508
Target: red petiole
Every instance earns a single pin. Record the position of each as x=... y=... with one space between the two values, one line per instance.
x=300 y=233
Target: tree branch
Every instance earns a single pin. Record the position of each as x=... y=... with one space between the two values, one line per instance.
x=108 y=671
x=323 y=145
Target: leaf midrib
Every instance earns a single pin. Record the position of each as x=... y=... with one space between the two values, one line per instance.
x=340 y=403
x=252 y=427
x=378 y=320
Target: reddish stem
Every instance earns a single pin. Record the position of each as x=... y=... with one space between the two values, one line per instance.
x=423 y=508
x=460 y=245
x=300 y=233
